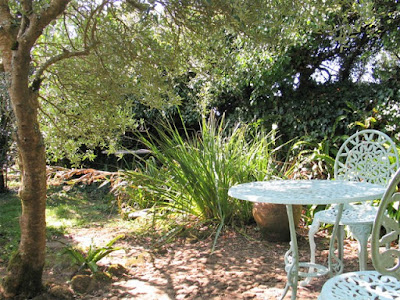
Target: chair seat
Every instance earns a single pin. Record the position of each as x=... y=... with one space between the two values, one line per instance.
x=357 y=214
x=365 y=285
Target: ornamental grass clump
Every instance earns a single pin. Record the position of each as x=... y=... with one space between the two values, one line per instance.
x=190 y=173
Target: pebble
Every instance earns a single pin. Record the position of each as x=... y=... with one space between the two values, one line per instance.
x=249 y=295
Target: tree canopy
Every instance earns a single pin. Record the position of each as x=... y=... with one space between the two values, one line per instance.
x=248 y=61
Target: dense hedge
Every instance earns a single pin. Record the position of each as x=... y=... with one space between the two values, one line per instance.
x=313 y=113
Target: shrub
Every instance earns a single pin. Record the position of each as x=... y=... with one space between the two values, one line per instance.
x=189 y=174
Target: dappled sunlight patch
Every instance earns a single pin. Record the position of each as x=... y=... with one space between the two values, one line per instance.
x=139 y=289
x=54 y=220
x=79 y=204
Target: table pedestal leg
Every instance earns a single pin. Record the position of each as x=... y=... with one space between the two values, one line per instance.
x=335 y=264
x=292 y=255
x=291 y=258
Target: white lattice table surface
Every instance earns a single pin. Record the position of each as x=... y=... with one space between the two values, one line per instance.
x=305 y=192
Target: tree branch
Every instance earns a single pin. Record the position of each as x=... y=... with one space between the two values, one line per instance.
x=39 y=21
x=52 y=121
x=61 y=111
x=137 y=5
x=91 y=17
x=66 y=54
x=67 y=33
x=27 y=10
x=8 y=30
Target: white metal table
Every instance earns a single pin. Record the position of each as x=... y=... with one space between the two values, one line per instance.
x=305 y=192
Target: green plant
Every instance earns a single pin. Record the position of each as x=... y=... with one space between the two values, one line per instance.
x=317 y=156
x=189 y=174
x=94 y=254
x=10 y=207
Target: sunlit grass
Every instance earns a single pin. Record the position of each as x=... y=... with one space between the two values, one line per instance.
x=68 y=207
x=10 y=208
x=78 y=206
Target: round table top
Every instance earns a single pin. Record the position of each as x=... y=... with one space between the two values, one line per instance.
x=307 y=191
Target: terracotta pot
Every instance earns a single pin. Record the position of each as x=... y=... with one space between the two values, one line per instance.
x=273 y=221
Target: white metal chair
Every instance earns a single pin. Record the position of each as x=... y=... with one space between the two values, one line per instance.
x=384 y=283
x=368 y=155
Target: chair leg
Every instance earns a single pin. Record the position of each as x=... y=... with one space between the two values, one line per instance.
x=311 y=233
x=361 y=234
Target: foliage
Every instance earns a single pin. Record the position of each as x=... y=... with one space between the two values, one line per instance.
x=86 y=102
x=92 y=102
x=317 y=157
x=305 y=86
x=190 y=174
x=314 y=113
x=243 y=60
x=90 y=259
x=6 y=131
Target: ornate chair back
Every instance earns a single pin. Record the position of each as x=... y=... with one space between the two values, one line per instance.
x=368 y=155
x=385 y=240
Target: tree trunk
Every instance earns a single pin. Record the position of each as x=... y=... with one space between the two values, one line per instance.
x=26 y=266
x=17 y=38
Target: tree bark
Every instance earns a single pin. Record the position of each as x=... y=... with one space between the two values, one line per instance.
x=17 y=38
x=25 y=268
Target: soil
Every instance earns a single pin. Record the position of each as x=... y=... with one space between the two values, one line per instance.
x=242 y=266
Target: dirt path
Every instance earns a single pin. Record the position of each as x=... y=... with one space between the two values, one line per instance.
x=239 y=268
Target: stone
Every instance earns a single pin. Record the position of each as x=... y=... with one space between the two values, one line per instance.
x=81 y=283
x=102 y=277
x=117 y=270
x=61 y=292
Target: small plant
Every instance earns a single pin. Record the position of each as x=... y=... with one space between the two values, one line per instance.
x=94 y=254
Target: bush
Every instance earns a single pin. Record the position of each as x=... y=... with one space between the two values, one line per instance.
x=190 y=174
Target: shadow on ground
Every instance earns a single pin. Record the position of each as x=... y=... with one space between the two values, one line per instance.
x=241 y=267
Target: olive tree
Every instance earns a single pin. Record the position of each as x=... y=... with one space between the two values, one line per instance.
x=21 y=26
